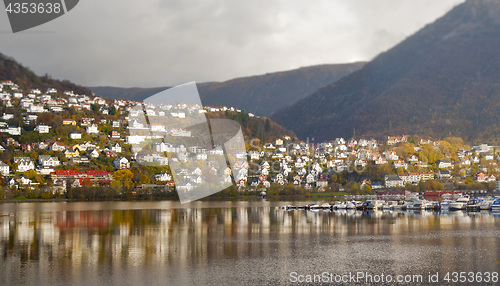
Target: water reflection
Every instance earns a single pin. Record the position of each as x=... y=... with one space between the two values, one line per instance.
x=73 y=244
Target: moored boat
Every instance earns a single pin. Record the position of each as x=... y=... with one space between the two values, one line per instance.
x=436 y=206
x=325 y=206
x=402 y=205
x=495 y=206
x=459 y=204
x=389 y=205
x=473 y=205
x=486 y=204
x=313 y=206
x=445 y=204
x=371 y=205
x=352 y=205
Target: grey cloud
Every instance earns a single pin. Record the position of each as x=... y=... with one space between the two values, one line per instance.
x=158 y=43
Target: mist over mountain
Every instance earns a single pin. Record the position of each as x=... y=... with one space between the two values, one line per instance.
x=261 y=94
x=442 y=80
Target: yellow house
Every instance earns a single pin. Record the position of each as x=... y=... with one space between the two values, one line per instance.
x=79 y=148
x=71 y=153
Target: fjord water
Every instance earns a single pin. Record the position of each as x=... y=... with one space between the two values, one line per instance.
x=232 y=243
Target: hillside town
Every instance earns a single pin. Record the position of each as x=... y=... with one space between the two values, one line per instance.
x=55 y=141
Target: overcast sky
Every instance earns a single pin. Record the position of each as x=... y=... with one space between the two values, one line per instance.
x=165 y=42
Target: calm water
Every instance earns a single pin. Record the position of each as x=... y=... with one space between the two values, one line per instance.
x=233 y=243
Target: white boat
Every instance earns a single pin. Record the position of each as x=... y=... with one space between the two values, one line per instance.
x=460 y=203
x=495 y=206
x=389 y=205
x=416 y=205
x=313 y=206
x=325 y=206
x=340 y=205
x=426 y=205
x=446 y=197
x=400 y=206
x=445 y=204
x=352 y=205
x=473 y=205
x=486 y=204
x=372 y=205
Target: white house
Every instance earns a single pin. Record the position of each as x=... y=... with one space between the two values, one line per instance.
x=116 y=147
x=121 y=163
x=163 y=177
x=48 y=161
x=42 y=128
x=56 y=146
x=444 y=164
x=92 y=129
x=400 y=164
x=93 y=153
x=4 y=168
x=392 y=181
x=35 y=108
x=75 y=135
x=13 y=130
x=444 y=174
x=45 y=170
x=24 y=164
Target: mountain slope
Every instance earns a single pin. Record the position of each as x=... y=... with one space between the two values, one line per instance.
x=262 y=94
x=12 y=70
x=261 y=128
x=442 y=80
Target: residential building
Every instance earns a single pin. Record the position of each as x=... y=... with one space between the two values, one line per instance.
x=4 y=168
x=393 y=181
x=48 y=161
x=24 y=164
x=121 y=163
x=75 y=135
x=92 y=129
x=42 y=128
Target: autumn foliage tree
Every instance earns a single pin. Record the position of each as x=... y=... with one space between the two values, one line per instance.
x=123 y=178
